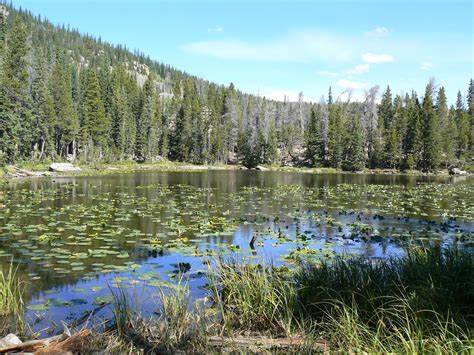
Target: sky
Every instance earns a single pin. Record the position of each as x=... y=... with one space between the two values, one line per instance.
x=280 y=48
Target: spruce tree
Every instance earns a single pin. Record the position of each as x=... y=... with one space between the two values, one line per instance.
x=8 y=125
x=446 y=138
x=96 y=124
x=429 y=132
x=412 y=139
x=17 y=90
x=392 y=151
x=335 y=136
x=67 y=121
x=354 y=146
x=463 y=127
x=44 y=112
x=314 y=139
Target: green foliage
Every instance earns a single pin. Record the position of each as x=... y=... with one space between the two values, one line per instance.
x=68 y=96
x=12 y=291
x=418 y=303
x=430 y=155
x=314 y=140
x=354 y=155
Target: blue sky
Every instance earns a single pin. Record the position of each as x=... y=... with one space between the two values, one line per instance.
x=278 y=48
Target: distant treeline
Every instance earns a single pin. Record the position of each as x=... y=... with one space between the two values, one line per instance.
x=70 y=96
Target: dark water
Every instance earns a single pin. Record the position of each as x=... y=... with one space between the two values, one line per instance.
x=75 y=239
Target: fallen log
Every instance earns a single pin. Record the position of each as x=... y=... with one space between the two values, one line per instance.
x=74 y=344
x=32 y=345
x=272 y=343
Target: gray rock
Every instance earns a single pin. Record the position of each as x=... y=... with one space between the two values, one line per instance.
x=9 y=340
x=456 y=171
x=261 y=168
x=63 y=167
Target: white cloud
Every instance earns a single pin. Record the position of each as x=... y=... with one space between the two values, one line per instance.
x=426 y=66
x=215 y=30
x=328 y=73
x=377 y=58
x=349 y=84
x=378 y=32
x=359 y=69
x=298 y=47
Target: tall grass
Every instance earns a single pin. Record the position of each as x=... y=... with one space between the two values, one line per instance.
x=179 y=324
x=12 y=307
x=257 y=298
x=421 y=302
x=122 y=311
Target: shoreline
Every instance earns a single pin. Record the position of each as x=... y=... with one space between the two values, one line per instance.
x=27 y=171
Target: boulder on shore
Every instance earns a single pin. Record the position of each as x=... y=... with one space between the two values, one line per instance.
x=63 y=167
x=456 y=171
x=9 y=340
x=261 y=168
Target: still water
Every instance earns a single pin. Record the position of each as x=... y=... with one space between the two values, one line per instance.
x=74 y=239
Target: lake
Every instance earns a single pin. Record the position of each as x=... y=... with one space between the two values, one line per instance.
x=74 y=239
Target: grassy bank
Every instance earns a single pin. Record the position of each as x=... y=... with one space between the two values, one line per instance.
x=42 y=169
x=420 y=303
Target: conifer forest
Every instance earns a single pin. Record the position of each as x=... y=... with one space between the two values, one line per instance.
x=70 y=96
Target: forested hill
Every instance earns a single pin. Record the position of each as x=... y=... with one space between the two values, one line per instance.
x=64 y=95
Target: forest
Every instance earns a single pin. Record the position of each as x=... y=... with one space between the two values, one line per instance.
x=68 y=96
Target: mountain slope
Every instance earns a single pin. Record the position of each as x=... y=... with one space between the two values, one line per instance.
x=70 y=96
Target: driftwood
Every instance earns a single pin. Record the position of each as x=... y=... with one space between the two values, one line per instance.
x=277 y=343
x=73 y=344
x=32 y=345
x=58 y=344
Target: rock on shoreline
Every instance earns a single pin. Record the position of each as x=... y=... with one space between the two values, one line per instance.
x=63 y=167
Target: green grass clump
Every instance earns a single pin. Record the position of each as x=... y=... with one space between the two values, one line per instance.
x=178 y=325
x=11 y=301
x=422 y=302
x=256 y=298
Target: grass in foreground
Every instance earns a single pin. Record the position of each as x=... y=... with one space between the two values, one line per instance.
x=11 y=301
x=420 y=303
x=423 y=302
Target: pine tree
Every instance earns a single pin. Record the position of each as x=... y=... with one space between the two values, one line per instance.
x=271 y=146
x=44 y=111
x=67 y=121
x=470 y=109
x=386 y=132
x=183 y=125
x=412 y=139
x=462 y=124
x=314 y=139
x=429 y=132
x=335 y=136
x=354 y=146
x=96 y=124
x=393 y=135
x=145 y=119
x=447 y=138
x=16 y=85
x=8 y=125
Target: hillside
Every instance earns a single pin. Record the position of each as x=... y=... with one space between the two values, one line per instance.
x=68 y=96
